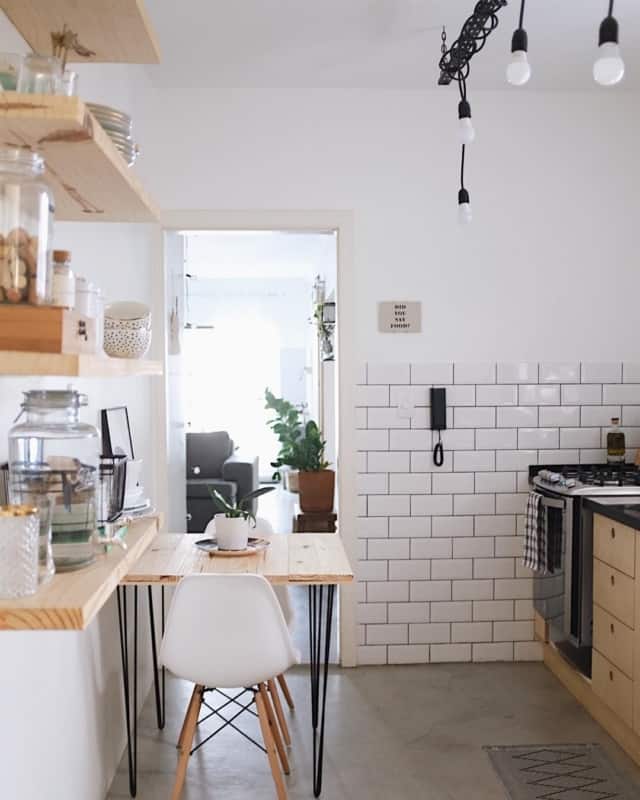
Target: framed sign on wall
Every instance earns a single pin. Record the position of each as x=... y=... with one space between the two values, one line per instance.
x=400 y=316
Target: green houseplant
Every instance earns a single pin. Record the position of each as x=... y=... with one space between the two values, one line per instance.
x=303 y=450
x=233 y=520
x=286 y=425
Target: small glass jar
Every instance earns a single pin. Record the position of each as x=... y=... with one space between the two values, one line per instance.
x=67 y=84
x=39 y=74
x=19 y=533
x=616 y=444
x=9 y=69
x=63 y=281
x=26 y=225
x=53 y=459
x=86 y=297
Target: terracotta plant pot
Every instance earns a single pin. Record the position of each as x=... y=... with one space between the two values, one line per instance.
x=317 y=490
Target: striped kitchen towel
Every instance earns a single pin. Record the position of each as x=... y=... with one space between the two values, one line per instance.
x=536 y=555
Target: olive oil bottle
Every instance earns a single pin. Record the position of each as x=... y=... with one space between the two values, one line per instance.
x=615 y=443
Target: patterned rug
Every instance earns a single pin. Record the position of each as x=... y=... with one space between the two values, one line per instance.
x=560 y=772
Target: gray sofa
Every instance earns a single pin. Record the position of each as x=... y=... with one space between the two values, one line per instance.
x=212 y=461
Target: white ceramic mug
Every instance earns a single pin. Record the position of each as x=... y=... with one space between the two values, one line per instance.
x=232 y=533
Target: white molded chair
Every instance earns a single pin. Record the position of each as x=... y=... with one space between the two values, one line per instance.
x=228 y=631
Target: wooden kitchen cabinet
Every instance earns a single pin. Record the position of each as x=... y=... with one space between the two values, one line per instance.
x=616 y=618
x=614 y=544
x=615 y=592
x=612 y=695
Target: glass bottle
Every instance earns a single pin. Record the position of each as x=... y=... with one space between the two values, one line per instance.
x=616 y=445
x=63 y=283
x=53 y=465
x=26 y=224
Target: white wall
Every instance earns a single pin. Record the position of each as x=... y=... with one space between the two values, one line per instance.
x=552 y=180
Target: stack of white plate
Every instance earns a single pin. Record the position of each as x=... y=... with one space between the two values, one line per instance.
x=117 y=126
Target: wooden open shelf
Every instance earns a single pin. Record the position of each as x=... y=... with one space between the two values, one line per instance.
x=72 y=599
x=116 y=30
x=89 y=177
x=14 y=362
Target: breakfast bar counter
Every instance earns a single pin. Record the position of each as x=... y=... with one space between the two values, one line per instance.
x=72 y=599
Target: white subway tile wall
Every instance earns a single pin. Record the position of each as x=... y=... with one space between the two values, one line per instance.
x=440 y=576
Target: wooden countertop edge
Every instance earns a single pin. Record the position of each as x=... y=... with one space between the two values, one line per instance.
x=76 y=618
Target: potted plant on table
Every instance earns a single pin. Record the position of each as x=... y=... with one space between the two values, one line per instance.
x=316 y=482
x=234 y=519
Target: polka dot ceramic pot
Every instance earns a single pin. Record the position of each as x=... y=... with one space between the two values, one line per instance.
x=126 y=342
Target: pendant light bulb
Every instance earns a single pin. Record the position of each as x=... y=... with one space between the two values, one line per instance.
x=608 y=68
x=466 y=131
x=464 y=207
x=519 y=69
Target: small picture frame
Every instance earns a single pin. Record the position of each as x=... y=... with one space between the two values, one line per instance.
x=116 y=432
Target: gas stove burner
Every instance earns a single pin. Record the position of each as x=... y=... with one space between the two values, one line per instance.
x=589 y=478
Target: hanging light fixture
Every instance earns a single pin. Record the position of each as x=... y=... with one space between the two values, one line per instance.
x=519 y=69
x=466 y=131
x=454 y=65
x=609 y=66
x=464 y=207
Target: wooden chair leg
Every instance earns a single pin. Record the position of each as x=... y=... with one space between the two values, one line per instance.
x=275 y=699
x=285 y=691
x=190 y=722
x=277 y=738
x=186 y=717
x=269 y=743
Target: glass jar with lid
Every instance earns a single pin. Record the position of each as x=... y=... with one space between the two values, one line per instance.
x=53 y=465
x=63 y=281
x=26 y=224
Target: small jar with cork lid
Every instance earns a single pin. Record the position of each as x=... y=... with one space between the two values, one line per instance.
x=63 y=280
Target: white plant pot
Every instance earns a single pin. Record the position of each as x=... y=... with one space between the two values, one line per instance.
x=232 y=533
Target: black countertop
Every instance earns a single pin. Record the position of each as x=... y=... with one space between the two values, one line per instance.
x=625 y=512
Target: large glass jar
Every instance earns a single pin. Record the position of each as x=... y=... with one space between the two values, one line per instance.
x=53 y=465
x=26 y=228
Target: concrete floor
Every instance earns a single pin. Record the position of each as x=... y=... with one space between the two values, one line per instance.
x=394 y=733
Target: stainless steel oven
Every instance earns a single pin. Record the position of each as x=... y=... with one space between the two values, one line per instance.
x=564 y=595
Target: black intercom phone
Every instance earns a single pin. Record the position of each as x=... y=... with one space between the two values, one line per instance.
x=438 y=420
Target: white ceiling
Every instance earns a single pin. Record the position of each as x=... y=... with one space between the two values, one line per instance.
x=391 y=44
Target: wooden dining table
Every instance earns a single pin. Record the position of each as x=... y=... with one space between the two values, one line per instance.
x=316 y=560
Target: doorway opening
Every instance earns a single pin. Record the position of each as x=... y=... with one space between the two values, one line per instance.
x=258 y=316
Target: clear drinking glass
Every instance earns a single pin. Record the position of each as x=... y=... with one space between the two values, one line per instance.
x=39 y=74
x=19 y=529
x=9 y=70
x=67 y=83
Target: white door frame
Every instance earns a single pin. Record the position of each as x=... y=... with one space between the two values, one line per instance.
x=314 y=222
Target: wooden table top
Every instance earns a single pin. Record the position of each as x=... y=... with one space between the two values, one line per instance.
x=299 y=558
x=72 y=599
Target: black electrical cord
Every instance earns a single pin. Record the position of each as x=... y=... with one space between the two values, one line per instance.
x=610 y=8
x=522 y=12
x=438 y=452
x=462 y=167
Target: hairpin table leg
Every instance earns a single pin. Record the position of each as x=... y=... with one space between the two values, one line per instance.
x=130 y=703
x=160 y=694
x=320 y=647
